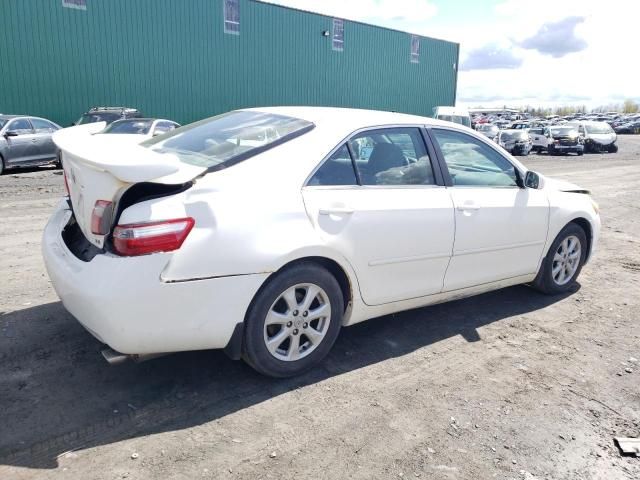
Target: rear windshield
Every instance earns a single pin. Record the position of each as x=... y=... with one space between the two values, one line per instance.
x=139 y=127
x=98 y=117
x=229 y=138
x=514 y=135
x=598 y=128
x=564 y=131
x=455 y=119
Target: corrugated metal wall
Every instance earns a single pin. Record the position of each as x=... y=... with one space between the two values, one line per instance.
x=172 y=59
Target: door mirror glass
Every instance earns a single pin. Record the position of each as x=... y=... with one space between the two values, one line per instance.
x=532 y=180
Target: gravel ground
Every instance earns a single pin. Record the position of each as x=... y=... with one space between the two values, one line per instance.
x=506 y=385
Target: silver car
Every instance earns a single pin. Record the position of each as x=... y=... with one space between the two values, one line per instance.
x=26 y=141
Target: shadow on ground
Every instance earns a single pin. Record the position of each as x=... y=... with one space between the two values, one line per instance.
x=58 y=394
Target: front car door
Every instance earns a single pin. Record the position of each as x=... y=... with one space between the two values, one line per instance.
x=380 y=201
x=501 y=228
x=21 y=142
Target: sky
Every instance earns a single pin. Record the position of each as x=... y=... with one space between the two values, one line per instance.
x=520 y=52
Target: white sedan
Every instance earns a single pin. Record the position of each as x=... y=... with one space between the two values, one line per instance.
x=138 y=129
x=194 y=241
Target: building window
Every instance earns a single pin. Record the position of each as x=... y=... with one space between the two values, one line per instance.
x=232 y=17
x=77 y=4
x=338 y=35
x=415 y=49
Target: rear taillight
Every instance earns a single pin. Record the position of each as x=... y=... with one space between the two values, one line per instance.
x=101 y=217
x=143 y=238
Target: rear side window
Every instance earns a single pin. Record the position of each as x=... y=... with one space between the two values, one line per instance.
x=227 y=139
x=395 y=156
x=336 y=170
x=43 y=126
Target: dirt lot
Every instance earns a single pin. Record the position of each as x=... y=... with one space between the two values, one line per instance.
x=507 y=385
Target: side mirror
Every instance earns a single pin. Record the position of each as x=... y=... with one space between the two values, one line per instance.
x=11 y=133
x=532 y=180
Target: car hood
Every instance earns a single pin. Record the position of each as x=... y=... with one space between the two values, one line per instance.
x=562 y=186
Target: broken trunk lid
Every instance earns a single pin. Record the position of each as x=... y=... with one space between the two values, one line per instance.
x=98 y=167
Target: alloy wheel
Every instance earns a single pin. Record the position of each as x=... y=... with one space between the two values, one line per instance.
x=297 y=322
x=566 y=260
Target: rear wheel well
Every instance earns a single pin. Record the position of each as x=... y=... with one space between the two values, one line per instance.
x=335 y=269
x=584 y=224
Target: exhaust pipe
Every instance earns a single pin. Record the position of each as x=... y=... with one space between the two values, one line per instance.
x=117 y=358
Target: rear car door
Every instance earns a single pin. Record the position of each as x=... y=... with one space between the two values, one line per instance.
x=501 y=228
x=43 y=131
x=379 y=201
x=21 y=147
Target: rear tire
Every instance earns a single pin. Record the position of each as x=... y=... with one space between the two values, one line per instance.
x=293 y=321
x=563 y=263
x=1 y=165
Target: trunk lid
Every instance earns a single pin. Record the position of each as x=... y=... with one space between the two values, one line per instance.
x=98 y=168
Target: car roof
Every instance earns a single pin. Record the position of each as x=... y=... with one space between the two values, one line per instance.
x=351 y=118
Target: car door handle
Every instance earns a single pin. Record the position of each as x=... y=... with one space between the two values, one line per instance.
x=336 y=211
x=467 y=207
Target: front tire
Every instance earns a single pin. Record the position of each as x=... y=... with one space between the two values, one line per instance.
x=613 y=148
x=1 y=165
x=563 y=263
x=293 y=321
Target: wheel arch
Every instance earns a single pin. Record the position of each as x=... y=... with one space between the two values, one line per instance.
x=348 y=287
x=588 y=231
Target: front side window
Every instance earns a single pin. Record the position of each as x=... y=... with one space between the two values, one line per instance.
x=394 y=156
x=231 y=17
x=229 y=138
x=21 y=126
x=337 y=42
x=164 y=127
x=43 y=126
x=472 y=163
x=133 y=127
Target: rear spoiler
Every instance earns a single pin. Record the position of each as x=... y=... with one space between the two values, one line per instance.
x=128 y=162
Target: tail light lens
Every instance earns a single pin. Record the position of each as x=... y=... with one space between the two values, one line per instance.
x=143 y=238
x=101 y=217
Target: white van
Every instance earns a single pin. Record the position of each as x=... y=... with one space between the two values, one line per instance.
x=453 y=114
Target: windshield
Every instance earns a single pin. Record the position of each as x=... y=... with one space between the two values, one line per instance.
x=598 y=128
x=139 y=127
x=564 y=131
x=456 y=119
x=98 y=117
x=508 y=136
x=2 y=123
x=229 y=138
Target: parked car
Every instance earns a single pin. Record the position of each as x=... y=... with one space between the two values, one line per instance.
x=563 y=139
x=191 y=241
x=139 y=129
x=598 y=136
x=539 y=139
x=453 y=114
x=107 y=114
x=26 y=141
x=488 y=130
x=516 y=142
x=630 y=127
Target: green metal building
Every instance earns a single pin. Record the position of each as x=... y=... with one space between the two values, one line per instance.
x=187 y=60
